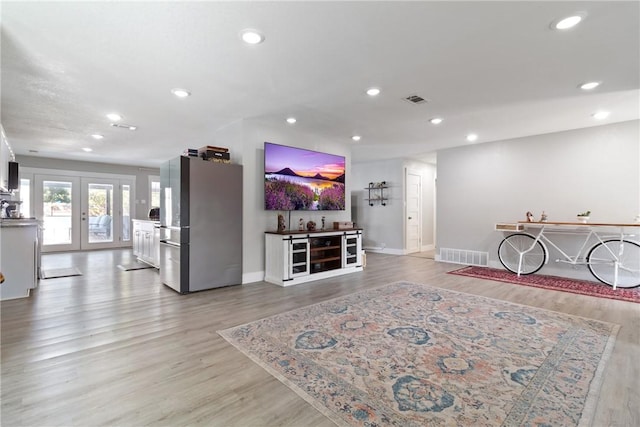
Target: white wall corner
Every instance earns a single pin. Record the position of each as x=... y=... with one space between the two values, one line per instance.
x=256 y=276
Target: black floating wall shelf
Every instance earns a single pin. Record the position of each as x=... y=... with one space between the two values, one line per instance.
x=376 y=193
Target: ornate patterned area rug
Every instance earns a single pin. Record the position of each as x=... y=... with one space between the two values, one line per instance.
x=407 y=354
x=563 y=284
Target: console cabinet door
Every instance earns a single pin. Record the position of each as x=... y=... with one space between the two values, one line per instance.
x=298 y=257
x=352 y=250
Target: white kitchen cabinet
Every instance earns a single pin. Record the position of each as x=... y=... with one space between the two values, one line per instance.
x=5 y=157
x=302 y=256
x=146 y=241
x=18 y=257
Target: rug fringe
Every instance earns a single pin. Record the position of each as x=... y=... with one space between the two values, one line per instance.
x=297 y=390
x=591 y=402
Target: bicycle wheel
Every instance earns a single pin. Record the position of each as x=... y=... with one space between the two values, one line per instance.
x=533 y=255
x=602 y=257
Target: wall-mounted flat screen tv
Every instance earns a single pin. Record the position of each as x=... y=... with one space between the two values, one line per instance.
x=297 y=179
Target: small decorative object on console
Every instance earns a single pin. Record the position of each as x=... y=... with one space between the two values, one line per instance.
x=322 y=223
x=301 y=225
x=529 y=217
x=342 y=225
x=311 y=225
x=543 y=217
x=281 y=225
x=583 y=217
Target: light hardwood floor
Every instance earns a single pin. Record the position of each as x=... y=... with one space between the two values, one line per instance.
x=118 y=348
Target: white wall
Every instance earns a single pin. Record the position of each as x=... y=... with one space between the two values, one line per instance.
x=384 y=225
x=596 y=169
x=246 y=140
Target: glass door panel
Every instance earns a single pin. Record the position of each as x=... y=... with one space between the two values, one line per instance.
x=58 y=215
x=25 y=196
x=100 y=212
x=126 y=212
x=57 y=205
x=101 y=222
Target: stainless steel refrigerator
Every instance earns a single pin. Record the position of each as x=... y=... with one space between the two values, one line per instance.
x=200 y=224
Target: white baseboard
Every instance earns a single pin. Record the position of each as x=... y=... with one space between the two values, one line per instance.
x=388 y=251
x=256 y=276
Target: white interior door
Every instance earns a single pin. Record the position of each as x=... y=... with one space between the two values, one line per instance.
x=57 y=204
x=413 y=203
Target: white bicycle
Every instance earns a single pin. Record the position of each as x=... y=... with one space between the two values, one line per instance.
x=613 y=259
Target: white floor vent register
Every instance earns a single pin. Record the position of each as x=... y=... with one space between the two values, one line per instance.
x=466 y=257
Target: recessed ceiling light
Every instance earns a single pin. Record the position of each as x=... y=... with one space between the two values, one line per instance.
x=291 y=120
x=600 y=115
x=251 y=36
x=436 y=120
x=114 y=117
x=356 y=137
x=180 y=93
x=374 y=91
x=568 y=22
x=87 y=149
x=589 y=85
x=472 y=137
x=97 y=136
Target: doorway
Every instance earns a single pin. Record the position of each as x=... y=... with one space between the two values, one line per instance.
x=81 y=212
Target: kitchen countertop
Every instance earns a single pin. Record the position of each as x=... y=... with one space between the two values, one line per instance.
x=154 y=221
x=19 y=222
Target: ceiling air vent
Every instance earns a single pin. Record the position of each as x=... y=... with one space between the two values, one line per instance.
x=123 y=126
x=415 y=99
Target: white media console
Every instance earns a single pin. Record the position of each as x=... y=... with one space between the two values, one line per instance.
x=293 y=257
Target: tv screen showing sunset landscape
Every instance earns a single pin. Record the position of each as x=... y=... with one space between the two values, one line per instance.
x=299 y=179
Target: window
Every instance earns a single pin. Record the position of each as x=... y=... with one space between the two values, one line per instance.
x=154 y=191
x=25 y=196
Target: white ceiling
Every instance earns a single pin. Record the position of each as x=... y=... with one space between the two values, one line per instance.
x=493 y=68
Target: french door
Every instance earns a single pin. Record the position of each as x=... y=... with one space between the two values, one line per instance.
x=82 y=213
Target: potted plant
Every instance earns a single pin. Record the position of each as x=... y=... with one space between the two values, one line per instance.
x=583 y=217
